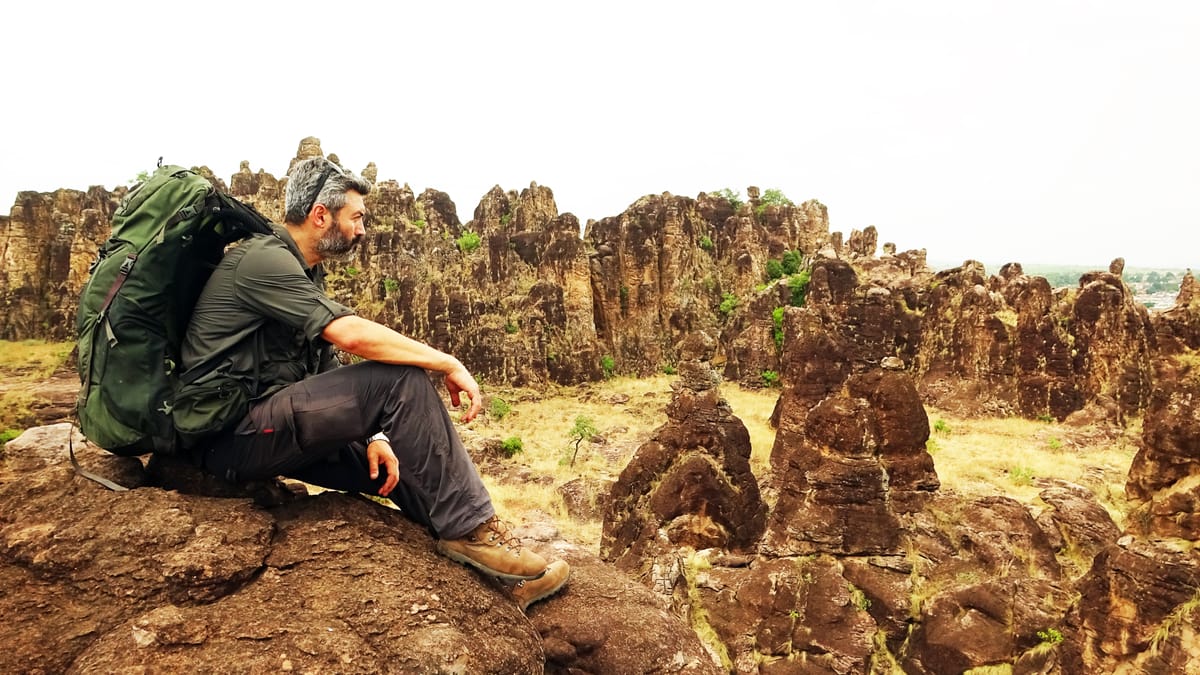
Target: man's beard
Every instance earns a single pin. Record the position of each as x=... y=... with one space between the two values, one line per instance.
x=334 y=244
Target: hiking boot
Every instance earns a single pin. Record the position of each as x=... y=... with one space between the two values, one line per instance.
x=492 y=549
x=528 y=592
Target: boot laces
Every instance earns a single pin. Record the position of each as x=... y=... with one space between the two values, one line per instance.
x=499 y=534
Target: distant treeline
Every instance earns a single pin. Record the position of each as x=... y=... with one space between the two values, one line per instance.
x=1144 y=280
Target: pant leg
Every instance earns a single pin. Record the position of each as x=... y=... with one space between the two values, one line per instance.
x=299 y=427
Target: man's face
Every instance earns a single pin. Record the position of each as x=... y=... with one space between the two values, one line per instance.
x=346 y=230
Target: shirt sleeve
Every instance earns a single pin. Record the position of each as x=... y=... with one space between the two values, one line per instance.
x=272 y=282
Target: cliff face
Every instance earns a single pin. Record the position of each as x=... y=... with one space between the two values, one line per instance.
x=661 y=269
x=46 y=246
x=522 y=298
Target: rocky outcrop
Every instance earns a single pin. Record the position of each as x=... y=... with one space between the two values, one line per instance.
x=662 y=268
x=46 y=246
x=865 y=567
x=508 y=292
x=1007 y=344
x=1178 y=329
x=690 y=485
x=859 y=463
x=100 y=581
x=1140 y=603
x=1170 y=452
x=521 y=298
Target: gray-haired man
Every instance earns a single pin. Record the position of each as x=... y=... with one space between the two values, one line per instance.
x=264 y=326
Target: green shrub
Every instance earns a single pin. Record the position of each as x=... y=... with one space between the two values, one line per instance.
x=608 y=366
x=668 y=369
x=391 y=285
x=774 y=270
x=941 y=427
x=798 y=283
x=510 y=327
x=498 y=408
x=791 y=262
x=419 y=224
x=777 y=330
x=505 y=219
x=734 y=198
x=511 y=446
x=706 y=243
x=469 y=241
x=770 y=378
x=729 y=302
x=9 y=434
x=1050 y=636
x=1020 y=475
x=1054 y=444
x=351 y=271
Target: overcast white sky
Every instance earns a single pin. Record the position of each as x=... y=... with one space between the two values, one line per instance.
x=1041 y=132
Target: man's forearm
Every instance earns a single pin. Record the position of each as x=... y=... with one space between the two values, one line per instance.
x=376 y=342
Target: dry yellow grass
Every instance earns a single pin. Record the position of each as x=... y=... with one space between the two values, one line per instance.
x=24 y=365
x=32 y=359
x=625 y=412
x=973 y=457
x=979 y=457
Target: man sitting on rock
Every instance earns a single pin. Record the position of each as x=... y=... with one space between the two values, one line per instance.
x=263 y=326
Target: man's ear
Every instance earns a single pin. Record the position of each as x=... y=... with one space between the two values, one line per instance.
x=318 y=214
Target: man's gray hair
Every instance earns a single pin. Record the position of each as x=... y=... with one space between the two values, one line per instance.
x=317 y=180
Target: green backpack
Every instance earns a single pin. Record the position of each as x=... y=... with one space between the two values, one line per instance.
x=167 y=236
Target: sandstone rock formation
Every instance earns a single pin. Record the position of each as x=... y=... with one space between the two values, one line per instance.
x=46 y=246
x=100 y=581
x=865 y=567
x=1140 y=604
x=522 y=298
x=1178 y=329
x=858 y=464
x=690 y=485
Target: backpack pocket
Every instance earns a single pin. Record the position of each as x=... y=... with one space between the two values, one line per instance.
x=208 y=408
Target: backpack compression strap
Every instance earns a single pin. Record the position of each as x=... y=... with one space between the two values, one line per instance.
x=84 y=472
x=102 y=316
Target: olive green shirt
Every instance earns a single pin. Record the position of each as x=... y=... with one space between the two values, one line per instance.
x=260 y=317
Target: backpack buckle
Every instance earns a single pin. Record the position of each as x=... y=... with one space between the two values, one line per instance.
x=127 y=265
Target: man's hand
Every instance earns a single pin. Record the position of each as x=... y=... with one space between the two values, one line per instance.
x=381 y=451
x=460 y=381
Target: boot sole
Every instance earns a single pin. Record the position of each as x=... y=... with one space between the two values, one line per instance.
x=545 y=594
x=471 y=562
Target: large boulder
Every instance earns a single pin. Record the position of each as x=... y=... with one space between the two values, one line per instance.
x=101 y=581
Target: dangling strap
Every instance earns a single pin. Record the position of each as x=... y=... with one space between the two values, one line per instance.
x=84 y=472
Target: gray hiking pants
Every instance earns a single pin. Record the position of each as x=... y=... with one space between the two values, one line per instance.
x=315 y=430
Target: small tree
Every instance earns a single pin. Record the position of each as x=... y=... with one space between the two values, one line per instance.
x=608 y=366
x=732 y=196
x=583 y=430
